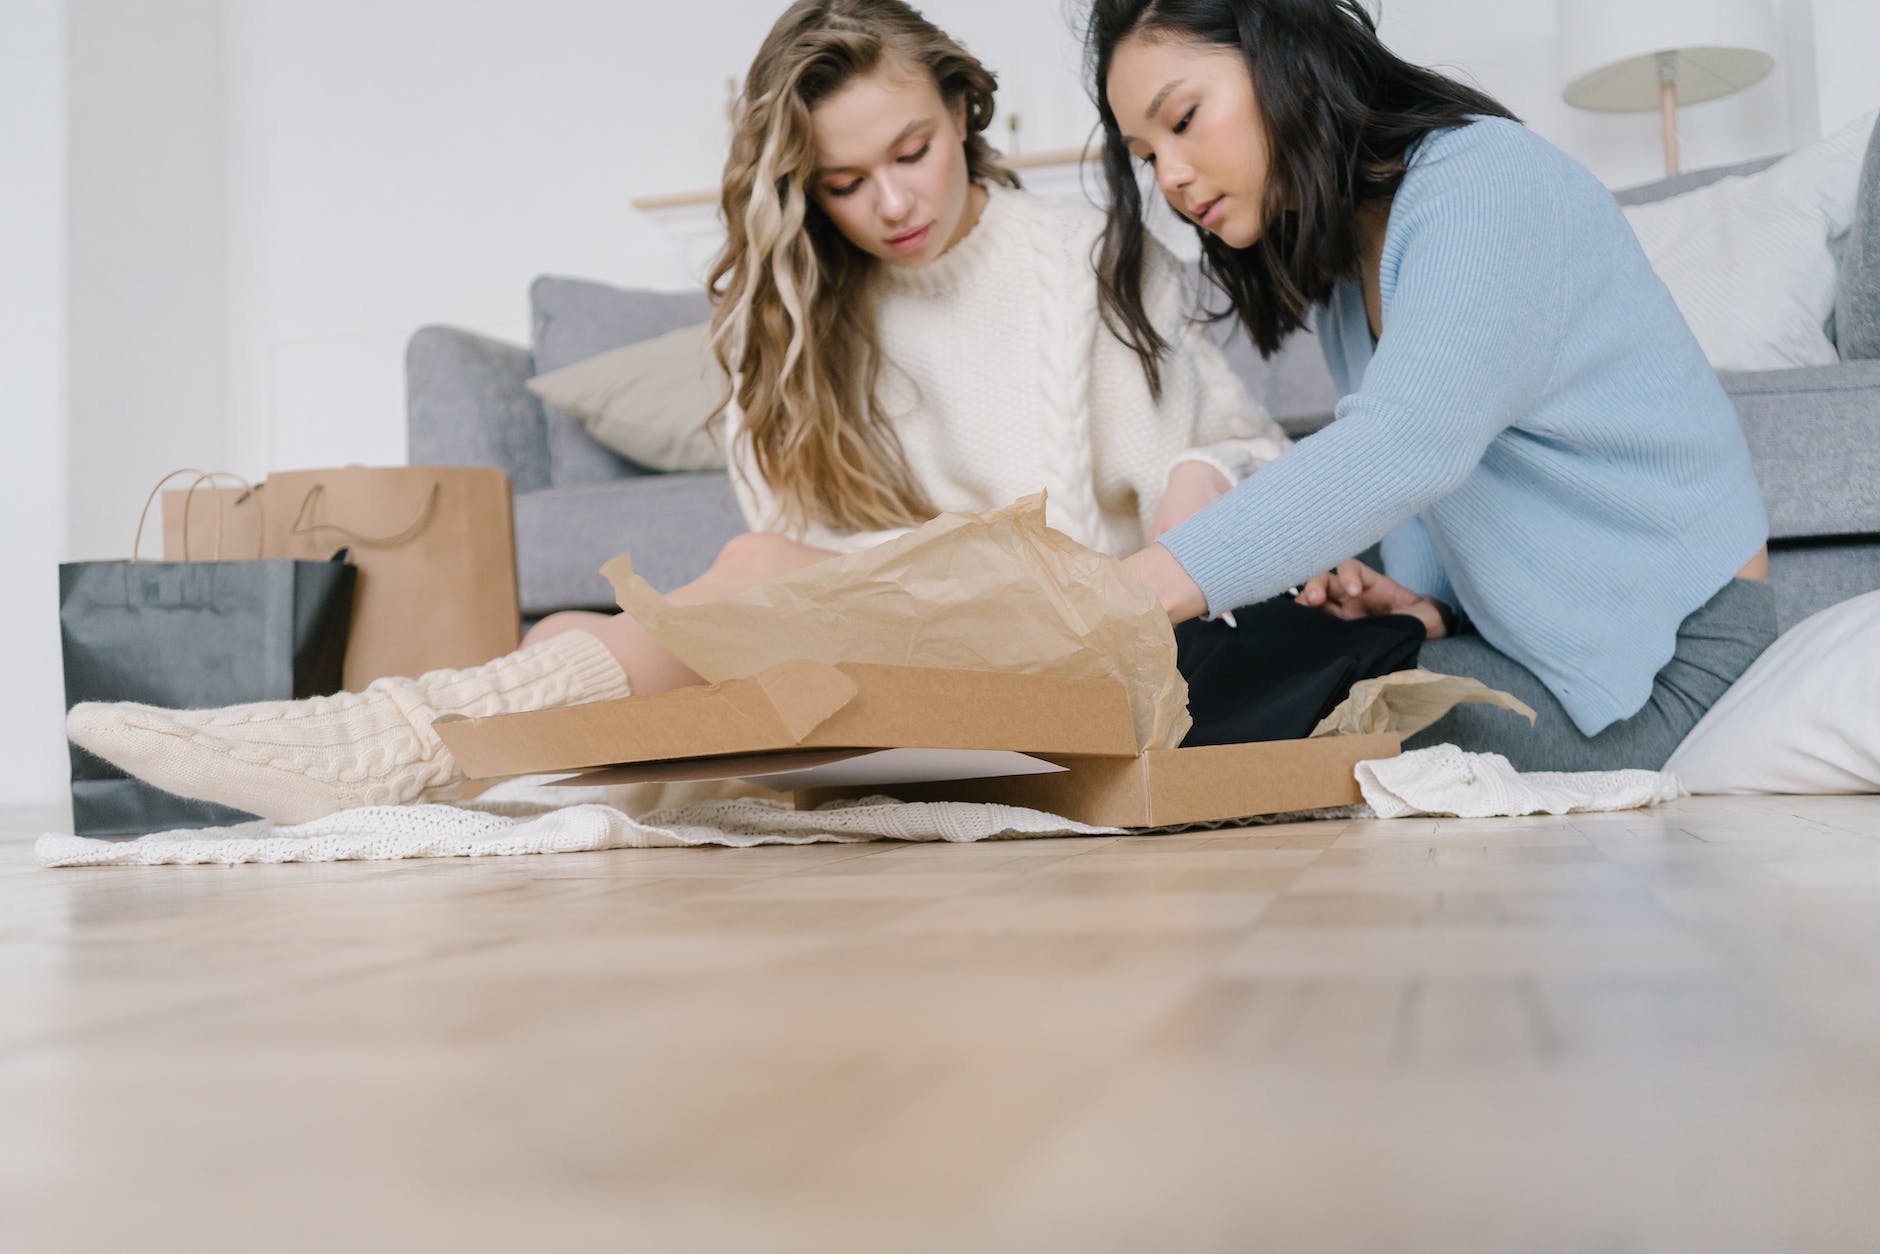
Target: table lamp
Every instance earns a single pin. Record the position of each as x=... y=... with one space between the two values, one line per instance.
x=1632 y=56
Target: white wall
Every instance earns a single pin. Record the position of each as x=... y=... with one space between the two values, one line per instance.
x=32 y=332
x=1507 y=48
x=393 y=164
x=147 y=176
x=1847 y=49
x=1797 y=20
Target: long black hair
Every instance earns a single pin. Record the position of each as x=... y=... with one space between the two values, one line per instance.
x=1340 y=110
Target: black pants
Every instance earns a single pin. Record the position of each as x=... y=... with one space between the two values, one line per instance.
x=1282 y=668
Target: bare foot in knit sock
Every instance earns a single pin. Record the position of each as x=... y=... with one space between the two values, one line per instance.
x=294 y=761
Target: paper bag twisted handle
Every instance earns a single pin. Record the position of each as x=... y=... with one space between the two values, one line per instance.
x=202 y=476
x=248 y=490
x=303 y=527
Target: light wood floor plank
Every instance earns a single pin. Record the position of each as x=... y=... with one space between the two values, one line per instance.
x=1637 y=1032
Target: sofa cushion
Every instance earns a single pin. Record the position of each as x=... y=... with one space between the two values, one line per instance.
x=1815 y=440
x=1857 y=302
x=575 y=319
x=648 y=402
x=465 y=405
x=1689 y=181
x=1810 y=575
x=671 y=525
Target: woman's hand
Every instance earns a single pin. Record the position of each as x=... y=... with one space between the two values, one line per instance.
x=1192 y=487
x=1354 y=590
x=1180 y=596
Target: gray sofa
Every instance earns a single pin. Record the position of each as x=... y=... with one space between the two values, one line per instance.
x=1814 y=434
x=577 y=504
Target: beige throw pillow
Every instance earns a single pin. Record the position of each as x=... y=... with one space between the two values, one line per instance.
x=647 y=402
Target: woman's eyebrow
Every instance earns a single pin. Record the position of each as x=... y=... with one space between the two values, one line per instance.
x=906 y=133
x=1155 y=105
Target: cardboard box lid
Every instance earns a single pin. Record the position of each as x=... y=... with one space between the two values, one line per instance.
x=806 y=705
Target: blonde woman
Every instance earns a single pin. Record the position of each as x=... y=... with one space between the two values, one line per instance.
x=907 y=334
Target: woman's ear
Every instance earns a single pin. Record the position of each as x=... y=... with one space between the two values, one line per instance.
x=958 y=110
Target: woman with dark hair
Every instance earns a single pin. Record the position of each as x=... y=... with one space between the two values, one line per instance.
x=1528 y=430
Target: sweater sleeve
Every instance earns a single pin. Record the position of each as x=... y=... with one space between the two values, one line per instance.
x=1473 y=284
x=1410 y=557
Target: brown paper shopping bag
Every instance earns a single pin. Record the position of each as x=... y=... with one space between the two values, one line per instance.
x=211 y=522
x=436 y=551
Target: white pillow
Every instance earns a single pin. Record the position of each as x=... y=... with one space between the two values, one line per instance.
x=1749 y=259
x=1804 y=719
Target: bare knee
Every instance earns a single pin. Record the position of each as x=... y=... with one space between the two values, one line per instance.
x=567 y=620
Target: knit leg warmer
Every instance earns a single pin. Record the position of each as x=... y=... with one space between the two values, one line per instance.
x=294 y=761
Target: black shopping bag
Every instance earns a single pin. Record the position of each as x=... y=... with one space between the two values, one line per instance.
x=192 y=635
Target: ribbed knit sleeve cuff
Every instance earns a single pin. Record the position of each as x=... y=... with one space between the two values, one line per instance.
x=1232 y=471
x=1215 y=558
x=1236 y=459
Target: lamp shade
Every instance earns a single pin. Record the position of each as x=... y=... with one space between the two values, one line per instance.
x=1610 y=49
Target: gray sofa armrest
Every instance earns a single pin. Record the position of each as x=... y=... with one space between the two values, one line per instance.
x=1814 y=435
x=673 y=525
x=465 y=405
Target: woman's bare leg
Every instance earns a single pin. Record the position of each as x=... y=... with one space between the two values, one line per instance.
x=648 y=664
x=744 y=563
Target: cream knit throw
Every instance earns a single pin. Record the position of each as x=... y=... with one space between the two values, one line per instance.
x=523 y=817
x=497 y=829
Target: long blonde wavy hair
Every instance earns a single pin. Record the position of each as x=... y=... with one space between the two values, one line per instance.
x=794 y=325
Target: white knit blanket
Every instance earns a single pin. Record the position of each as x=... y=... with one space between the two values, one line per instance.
x=526 y=816
x=517 y=824
x=1444 y=780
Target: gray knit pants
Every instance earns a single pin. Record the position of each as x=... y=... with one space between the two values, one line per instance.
x=1716 y=644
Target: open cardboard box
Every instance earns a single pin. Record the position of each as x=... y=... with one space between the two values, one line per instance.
x=978 y=658
x=1065 y=745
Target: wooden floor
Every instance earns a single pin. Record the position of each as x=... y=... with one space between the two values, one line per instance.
x=1640 y=1032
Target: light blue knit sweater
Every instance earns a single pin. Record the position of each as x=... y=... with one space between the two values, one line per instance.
x=1536 y=436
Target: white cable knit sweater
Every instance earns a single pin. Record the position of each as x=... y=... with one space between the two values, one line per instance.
x=1002 y=380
